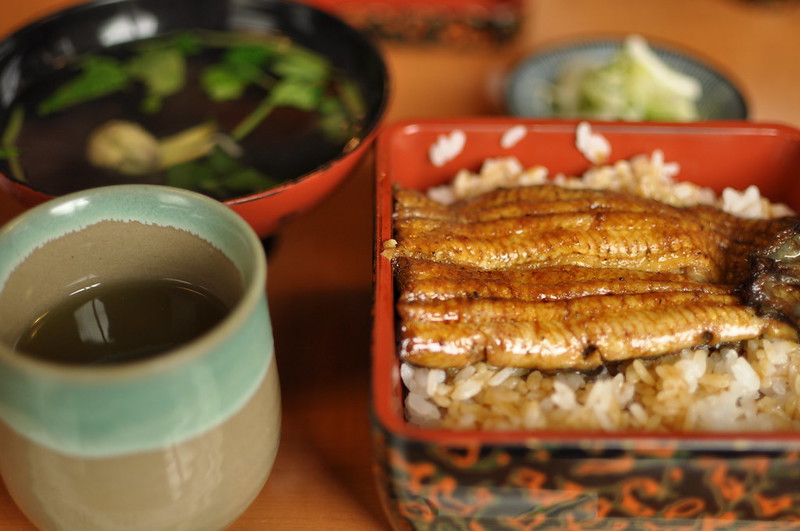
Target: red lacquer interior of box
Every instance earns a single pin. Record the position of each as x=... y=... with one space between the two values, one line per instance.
x=714 y=154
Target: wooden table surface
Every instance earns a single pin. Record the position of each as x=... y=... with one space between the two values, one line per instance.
x=320 y=264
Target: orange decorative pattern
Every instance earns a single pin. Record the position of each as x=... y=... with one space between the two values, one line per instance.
x=473 y=488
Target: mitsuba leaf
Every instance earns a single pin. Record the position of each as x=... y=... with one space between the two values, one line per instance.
x=333 y=120
x=248 y=180
x=300 y=64
x=163 y=72
x=241 y=66
x=221 y=82
x=8 y=143
x=99 y=76
x=236 y=177
x=352 y=99
x=192 y=176
x=218 y=175
x=9 y=152
x=247 y=56
x=186 y=43
x=302 y=94
x=341 y=117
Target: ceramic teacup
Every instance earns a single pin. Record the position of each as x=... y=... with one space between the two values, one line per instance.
x=181 y=440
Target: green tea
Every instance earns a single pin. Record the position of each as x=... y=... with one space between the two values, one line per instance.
x=120 y=323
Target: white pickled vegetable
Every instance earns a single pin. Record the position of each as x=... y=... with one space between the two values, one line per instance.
x=634 y=85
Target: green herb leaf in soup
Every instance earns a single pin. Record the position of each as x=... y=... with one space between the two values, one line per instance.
x=241 y=66
x=219 y=175
x=299 y=64
x=163 y=73
x=222 y=83
x=99 y=76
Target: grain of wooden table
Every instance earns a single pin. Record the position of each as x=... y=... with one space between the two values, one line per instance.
x=320 y=264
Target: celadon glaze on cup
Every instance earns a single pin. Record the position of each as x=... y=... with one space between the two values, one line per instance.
x=183 y=440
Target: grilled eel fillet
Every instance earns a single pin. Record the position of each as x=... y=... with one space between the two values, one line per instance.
x=555 y=278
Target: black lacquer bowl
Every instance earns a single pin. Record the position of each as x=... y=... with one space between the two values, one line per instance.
x=47 y=45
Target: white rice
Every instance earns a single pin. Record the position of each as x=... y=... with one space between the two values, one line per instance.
x=754 y=388
x=513 y=136
x=595 y=147
x=447 y=147
x=703 y=389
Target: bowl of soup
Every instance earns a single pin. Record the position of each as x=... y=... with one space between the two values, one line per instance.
x=264 y=105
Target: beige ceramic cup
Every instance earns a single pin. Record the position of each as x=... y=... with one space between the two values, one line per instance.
x=184 y=440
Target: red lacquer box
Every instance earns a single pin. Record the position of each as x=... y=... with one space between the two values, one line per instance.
x=445 y=479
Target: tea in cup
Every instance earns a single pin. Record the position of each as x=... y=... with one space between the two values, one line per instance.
x=138 y=385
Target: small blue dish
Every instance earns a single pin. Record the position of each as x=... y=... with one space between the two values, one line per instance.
x=527 y=87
